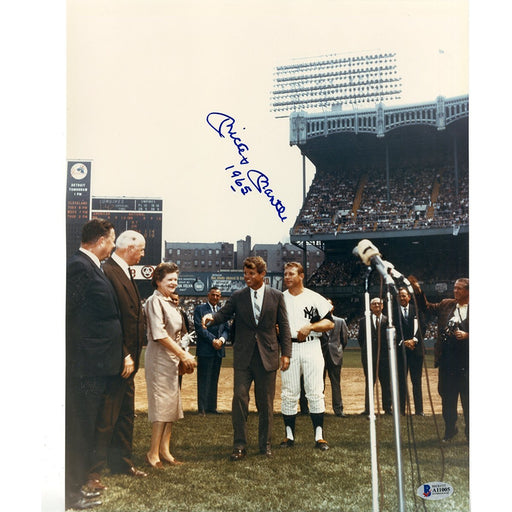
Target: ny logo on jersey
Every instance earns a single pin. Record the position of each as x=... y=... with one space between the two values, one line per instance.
x=312 y=314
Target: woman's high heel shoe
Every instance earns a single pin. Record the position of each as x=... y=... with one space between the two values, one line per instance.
x=156 y=465
x=173 y=462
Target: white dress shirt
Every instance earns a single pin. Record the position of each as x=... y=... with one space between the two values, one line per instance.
x=92 y=256
x=122 y=264
x=257 y=300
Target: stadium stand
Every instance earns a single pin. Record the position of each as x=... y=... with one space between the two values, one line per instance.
x=399 y=179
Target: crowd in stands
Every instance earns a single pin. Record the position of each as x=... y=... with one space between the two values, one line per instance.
x=360 y=200
x=350 y=272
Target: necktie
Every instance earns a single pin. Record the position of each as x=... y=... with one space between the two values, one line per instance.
x=256 y=307
x=133 y=281
x=405 y=312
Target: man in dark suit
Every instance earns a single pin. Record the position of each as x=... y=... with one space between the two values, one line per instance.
x=451 y=351
x=94 y=352
x=409 y=351
x=333 y=344
x=114 y=429
x=209 y=352
x=380 y=356
x=261 y=329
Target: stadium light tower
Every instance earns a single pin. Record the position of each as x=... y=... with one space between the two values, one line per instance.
x=331 y=80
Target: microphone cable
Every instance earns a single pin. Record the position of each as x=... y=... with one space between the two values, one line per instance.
x=411 y=438
x=429 y=392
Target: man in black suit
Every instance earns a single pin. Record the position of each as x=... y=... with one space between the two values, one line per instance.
x=114 y=429
x=409 y=351
x=333 y=344
x=209 y=352
x=451 y=351
x=380 y=356
x=94 y=352
x=261 y=332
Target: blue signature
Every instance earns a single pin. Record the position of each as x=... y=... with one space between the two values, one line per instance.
x=225 y=125
x=220 y=122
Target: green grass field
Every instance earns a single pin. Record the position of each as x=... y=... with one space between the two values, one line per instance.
x=298 y=479
x=301 y=479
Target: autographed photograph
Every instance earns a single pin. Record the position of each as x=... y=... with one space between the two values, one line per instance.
x=267 y=212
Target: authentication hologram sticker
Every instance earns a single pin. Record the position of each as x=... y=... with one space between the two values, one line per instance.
x=434 y=491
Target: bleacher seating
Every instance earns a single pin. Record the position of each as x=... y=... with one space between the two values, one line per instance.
x=362 y=200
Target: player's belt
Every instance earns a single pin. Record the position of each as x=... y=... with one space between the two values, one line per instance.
x=309 y=338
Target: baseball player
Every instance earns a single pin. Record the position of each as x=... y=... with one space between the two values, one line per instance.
x=309 y=314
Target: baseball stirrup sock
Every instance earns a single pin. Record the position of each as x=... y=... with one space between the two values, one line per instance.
x=318 y=422
x=289 y=423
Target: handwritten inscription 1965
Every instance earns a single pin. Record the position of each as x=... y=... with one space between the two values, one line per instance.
x=252 y=179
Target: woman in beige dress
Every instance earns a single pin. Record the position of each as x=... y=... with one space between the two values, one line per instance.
x=163 y=354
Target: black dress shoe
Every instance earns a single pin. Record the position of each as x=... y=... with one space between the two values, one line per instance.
x=133 y=471
x=84 y=503
x=287 y=443
x=238 y=454
x=267 y=452
x=448 y=437
x=321 y=445
x=94 y=484
x=341 y=414
x=89 y=494
x=420 y=414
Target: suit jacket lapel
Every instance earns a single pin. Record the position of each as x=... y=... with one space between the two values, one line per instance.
x=128 y=284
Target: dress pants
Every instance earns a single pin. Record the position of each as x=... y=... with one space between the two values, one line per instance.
x=453 y=383
x=114 y=428
x=384 y=380
x=414 y=365
x=208 y=371
x=334 y=372
x=264 y=392
x=84 y=397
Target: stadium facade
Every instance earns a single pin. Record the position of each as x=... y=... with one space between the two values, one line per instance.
x=398 y=176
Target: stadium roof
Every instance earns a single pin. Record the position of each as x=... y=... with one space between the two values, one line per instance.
x=425 y=132
x=428 y=135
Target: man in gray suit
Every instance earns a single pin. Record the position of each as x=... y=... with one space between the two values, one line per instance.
x=333 y=344
x=261 y=333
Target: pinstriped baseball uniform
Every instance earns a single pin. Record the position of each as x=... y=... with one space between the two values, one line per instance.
x=307 y=358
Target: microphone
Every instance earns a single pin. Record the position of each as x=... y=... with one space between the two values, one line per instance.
x=371 y=256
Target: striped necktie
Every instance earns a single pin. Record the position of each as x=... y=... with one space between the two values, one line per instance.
x=256 y=307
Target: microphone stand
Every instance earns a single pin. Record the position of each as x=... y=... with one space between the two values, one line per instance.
x=371 y=402
x=393 y=371
x=370 y=256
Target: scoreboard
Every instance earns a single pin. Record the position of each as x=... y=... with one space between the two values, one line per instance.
x=126 y=204
x=140 y=214
x=78 y=199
